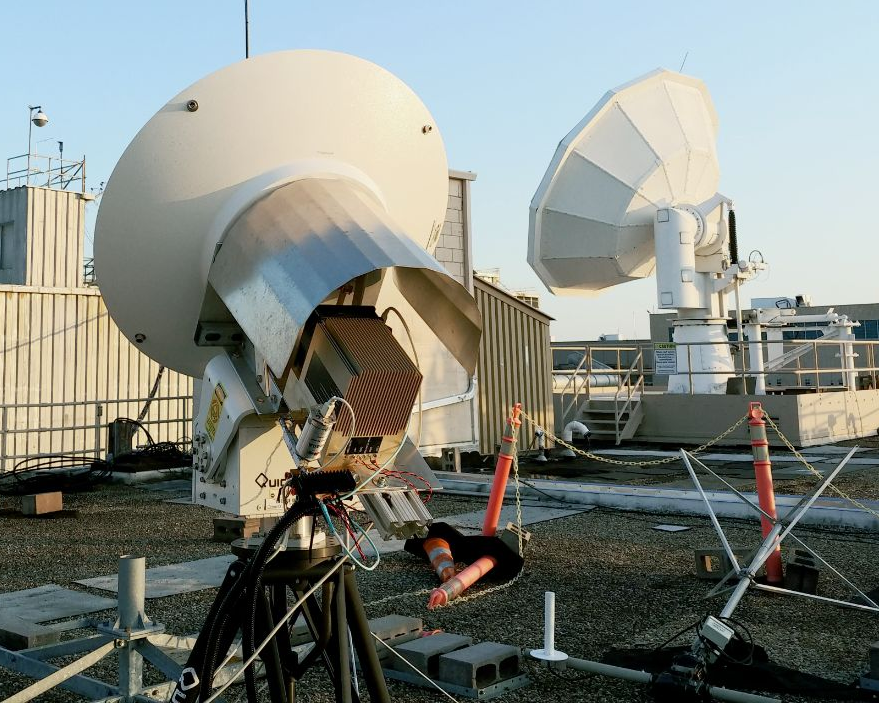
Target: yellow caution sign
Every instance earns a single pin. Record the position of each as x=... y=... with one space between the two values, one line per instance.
x=214 y=410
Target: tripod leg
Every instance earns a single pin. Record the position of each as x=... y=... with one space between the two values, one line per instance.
x=270 y=654
x=313 y=614
x=364 y=644
x=288 y=657
x=340 y=640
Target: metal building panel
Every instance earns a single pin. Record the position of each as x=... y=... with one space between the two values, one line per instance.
x=515 y=364
x=63 y=358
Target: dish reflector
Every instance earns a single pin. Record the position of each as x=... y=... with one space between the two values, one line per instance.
x=646 y=145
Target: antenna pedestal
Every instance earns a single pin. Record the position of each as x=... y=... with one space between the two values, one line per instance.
x=704 y=359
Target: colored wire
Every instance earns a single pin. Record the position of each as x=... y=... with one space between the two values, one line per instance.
x=348 y=553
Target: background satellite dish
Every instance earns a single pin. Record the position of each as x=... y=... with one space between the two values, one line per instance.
x=646 y=145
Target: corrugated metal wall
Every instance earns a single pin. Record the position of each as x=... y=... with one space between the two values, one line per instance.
x=55 y=243
x=515 y=364
x=62 y=351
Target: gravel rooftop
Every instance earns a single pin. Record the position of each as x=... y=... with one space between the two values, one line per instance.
x=618 y=583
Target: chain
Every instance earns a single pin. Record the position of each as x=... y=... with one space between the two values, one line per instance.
x=815 y=471
x=654 y=462
x=493 y=589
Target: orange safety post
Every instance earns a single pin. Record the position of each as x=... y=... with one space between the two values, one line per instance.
x=456 y=585
x=765 y=491
x=501 y=473
x=440 y=555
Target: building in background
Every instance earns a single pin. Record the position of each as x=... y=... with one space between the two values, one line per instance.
x=65 y=369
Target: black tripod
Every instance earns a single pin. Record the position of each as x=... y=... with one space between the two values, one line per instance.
x=253 y=598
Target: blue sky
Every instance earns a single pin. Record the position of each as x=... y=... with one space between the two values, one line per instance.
x=795 y=85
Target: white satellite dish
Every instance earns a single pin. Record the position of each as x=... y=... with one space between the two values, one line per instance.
x=633 y=189
x=233 y=139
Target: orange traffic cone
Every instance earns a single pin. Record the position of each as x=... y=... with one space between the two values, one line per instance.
x=440 y=555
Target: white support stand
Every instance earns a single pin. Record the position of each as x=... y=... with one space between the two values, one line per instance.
x=549 y=653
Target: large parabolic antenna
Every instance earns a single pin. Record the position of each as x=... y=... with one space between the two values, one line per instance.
x=632 y=190
x=646 y=145
x=334 y=162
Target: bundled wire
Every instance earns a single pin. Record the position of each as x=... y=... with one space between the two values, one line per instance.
x=54 y=472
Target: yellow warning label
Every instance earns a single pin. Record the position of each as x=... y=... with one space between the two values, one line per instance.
x=214 y=410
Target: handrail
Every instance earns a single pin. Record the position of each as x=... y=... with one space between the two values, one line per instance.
x=627 y=381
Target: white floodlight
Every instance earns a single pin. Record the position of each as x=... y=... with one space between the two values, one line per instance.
x=40 y=119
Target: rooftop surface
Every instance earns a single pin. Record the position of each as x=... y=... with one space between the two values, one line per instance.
x=619 y=583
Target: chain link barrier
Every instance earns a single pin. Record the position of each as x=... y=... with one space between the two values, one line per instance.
x=493 y=589
x=813 y=470
x=617 y=462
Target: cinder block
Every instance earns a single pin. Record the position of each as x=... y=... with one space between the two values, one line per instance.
x=394 y=630
x=712 y=563
x=454 y=186
x=228 y=529
x=42 y=503
x=481 y=665
x=16 y=633
x=424 y=653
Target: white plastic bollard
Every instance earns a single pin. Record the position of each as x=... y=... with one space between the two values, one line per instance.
x=549 y=653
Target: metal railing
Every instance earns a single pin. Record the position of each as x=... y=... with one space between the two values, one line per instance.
x=828 y=370
x=44 y=171
x=633 y=393
x=623 y=384
x=821 y=368
x=82 y=430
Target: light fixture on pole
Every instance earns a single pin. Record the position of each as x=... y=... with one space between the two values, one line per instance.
x=40 y=119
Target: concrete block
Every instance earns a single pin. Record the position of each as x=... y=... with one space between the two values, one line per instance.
x=443 y=254
x=712 y=563
x=17 y=633
x=453 y=216
x=42 y=503
x=455 y=186
x=457 y=230
x=228 y=529
x=394 y=630
x=458 y=255
x=481 y=665
x=874 y=660
x=424 y=653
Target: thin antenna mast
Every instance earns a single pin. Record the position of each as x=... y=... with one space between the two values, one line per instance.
x=679 y=70
x=246 y=30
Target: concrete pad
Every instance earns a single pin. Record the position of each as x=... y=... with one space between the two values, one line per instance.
x=173 y=579
x=180 y=485
x=51 y=602
x=16 y=633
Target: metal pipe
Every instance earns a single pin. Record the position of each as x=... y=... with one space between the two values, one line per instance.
x=765 y=490
x=132 y=592
x=643 y=677
x=61 y=675
x=717 y=528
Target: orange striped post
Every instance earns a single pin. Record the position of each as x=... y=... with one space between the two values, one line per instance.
x=440 y=555
x=765 y=490
x=456 y=585
x=502 y=473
